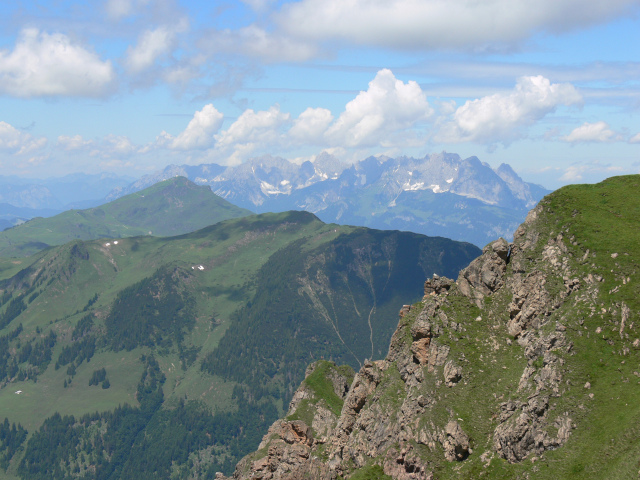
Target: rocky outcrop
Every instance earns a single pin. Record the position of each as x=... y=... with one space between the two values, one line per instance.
x=476 y=373
x=286 y=449
x=523 y=433
x=486 y=273
x=287 y=446
x=455 y=442
x=452 y=374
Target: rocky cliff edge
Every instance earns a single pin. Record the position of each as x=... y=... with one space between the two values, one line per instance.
x=489 y=376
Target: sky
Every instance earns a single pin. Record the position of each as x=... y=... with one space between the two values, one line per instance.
x=550 y=87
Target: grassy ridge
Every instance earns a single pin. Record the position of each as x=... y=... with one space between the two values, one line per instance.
x=600 y=388
x=172 y=207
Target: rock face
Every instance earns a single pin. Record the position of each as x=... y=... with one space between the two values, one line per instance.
x=486 y=273
x=285 y=451
x=455 y=442
x=480 y=376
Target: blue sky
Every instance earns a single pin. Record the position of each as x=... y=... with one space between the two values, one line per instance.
x=551 y=87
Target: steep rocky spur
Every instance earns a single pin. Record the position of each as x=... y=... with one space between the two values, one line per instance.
x=524 y=367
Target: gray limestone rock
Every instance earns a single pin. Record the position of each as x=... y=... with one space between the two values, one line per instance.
x=455 y=442
x=486 y=273
x=452 y=374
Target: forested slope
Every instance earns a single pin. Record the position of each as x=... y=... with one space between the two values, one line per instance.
x=186 y=348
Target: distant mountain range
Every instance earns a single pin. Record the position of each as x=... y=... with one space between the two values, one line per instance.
x=76 y=190
x=440 y=194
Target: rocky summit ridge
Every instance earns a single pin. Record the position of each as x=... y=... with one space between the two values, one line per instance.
x=524 y=367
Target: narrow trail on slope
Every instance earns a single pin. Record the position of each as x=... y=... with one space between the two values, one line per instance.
x=320 y=308
x=373 y=309
x=335 y=326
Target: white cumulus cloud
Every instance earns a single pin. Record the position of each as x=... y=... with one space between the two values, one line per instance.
x=118 y=146
x=73 y=143
x=199 y=133
x=44 y=64
x=152 y=45
x=254 y=127
x=592 y=132
x=420 y=24
x=387 y=107
x=635 y=138
x=500 y=117
x=13 y=140
x=311 y=125
x=252 y=130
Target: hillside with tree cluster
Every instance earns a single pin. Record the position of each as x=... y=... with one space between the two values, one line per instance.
x=151 y=357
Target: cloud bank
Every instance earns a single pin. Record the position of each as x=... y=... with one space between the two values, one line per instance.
x=198 y=134
x=592 y=132
x=501 y=117
x=49 y=65
x=14 y=141
x=390 y=113
x=441 y=24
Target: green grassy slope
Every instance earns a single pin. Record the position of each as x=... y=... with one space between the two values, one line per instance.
x=168 y=208
x=186 y=300
x=603 y=219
